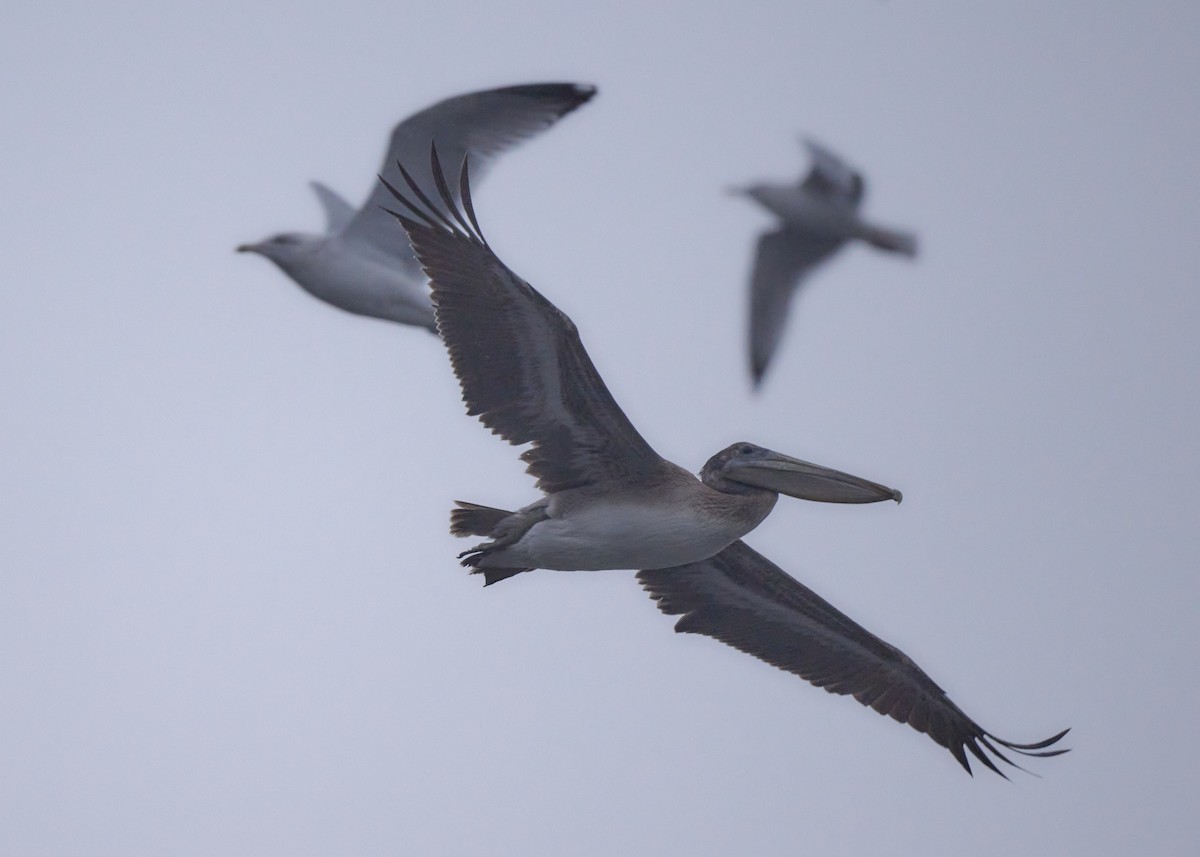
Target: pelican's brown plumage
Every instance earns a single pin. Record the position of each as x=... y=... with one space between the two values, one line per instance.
x=525 y=373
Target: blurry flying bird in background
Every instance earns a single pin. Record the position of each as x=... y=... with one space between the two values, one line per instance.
x=363 y=263
x=818 y=215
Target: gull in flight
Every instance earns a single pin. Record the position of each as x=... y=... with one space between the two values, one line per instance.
x=362 y=264
x=612 y=502
x=818 y=215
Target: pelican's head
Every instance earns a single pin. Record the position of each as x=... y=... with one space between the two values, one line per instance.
x=744 y=467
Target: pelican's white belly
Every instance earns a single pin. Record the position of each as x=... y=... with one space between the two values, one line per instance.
x=625 y=535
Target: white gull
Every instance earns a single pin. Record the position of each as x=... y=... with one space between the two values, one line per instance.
x=363 y=263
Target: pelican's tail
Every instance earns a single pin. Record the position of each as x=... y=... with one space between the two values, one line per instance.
x=470 y=519
x=891 y=240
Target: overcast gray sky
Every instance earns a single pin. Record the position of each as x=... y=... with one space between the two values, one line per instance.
x=231 y=621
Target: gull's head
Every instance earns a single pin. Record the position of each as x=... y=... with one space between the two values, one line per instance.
x=751 y=190
x=744 y=468
x=282 y=248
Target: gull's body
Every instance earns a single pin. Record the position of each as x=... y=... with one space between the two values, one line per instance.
x=362 y=264
x=612 y=502
x=351 y=277
x=818 y=215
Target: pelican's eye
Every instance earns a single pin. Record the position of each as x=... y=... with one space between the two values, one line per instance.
x=745 y=449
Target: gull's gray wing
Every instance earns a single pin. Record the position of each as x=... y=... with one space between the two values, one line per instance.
x=832 y=178
x=743 y=599
x=481 y=124
x=338 y=212
x=781 y=261
x=518 y=358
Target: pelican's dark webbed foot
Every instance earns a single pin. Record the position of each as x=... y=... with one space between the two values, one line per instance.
x=471 y=519
x=471 y=559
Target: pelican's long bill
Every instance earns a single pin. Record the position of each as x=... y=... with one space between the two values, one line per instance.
x=774 y=471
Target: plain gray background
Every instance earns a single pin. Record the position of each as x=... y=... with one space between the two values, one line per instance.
x=231 y=621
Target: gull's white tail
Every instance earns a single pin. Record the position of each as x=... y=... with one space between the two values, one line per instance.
x=891 y=240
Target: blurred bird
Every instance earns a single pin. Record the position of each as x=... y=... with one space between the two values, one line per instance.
x=362 y=263
x=819 y=214
x=612 y=502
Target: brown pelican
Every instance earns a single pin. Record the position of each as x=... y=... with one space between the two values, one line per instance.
x=612 y=502
x=819 y=214
x=362 y=264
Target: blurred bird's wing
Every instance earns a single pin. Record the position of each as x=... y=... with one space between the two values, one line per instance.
x=782 y=260
x=338 y=212
x=481 y=124
x=832 y=178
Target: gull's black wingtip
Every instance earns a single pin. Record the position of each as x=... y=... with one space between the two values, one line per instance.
x=571 y=94
x=758 y=371
x=585 y=92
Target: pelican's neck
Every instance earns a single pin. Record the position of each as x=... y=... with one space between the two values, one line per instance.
x=743 y=507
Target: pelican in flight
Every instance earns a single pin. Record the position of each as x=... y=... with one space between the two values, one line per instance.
x=818 y=215
x=612 y=502
x=362 y=263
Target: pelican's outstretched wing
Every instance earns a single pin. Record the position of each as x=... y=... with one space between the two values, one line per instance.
x=783 y=258
x=522 y=368
x=832 y=178
x=743 y=599
x=479 y=124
